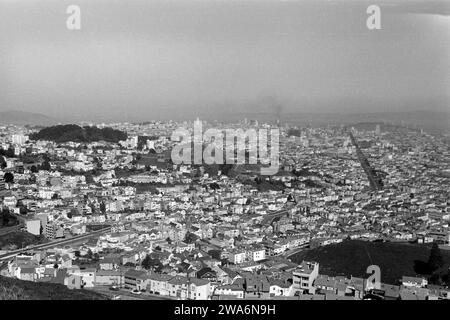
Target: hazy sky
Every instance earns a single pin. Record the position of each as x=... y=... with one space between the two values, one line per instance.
x=168 y=59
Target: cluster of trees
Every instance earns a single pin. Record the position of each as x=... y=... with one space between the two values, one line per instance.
x=44 y=166
x=7 y=219
x=190 y=237
x=433 y=267
x=434 y=264
x=8 y=177
x=92 y=256
x=264 y=185
x=73 y=132
x=9 y=153
x=2 y=162
x=435 y=261
x=152 y=264
x=142 y=141
x=22 y=208
x=88 y=258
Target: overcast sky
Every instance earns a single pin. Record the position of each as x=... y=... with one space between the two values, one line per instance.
x=169 y=59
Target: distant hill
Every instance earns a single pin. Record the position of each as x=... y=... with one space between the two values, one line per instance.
x=14 y=289
x=75 y=133
x=352 y=257
x=24 y=118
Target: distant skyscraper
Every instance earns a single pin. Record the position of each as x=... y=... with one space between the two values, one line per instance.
x=377 y=130
x=19 y=139
x=346 y=142
x=150 y=144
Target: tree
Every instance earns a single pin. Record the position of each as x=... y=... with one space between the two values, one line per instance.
x=190 y=237
x=169 y=241
x=446 y=278
x=73 y=212
x=149 y=263
x=435 y=261
x=226 y=168
x=98 y=163
x=216 y=254
x=89 y=178
x=45 y=166
x=214 y=186
x=32 y=179
x=23 y=210
x=7 y=153
x=435 y=279
x=8 y=177
x=130 y=264
x=34 y=169
x=7 y=219
x=102 y=207
x=2 y=163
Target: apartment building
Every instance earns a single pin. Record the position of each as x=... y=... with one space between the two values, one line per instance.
x=304 y=276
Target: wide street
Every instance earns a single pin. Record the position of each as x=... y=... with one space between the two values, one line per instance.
x=54 y=243
x=125 y=294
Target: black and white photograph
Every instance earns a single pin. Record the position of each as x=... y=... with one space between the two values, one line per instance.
x=225 y=157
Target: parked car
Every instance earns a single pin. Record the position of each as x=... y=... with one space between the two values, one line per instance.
x=135 y=291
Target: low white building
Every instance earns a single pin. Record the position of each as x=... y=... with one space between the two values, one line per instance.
x=34 y=226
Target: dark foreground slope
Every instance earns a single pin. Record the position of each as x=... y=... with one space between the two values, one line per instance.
x=14 y=289
x=18 y=239
x=351 y=258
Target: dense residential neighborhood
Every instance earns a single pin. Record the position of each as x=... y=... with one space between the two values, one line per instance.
x=122 y=216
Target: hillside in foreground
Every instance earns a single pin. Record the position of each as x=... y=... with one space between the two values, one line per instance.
x=14 y=289
x=19 y=239
x=352 y=257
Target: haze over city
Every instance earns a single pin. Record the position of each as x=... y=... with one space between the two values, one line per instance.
x=224 y=157
x=144 y=60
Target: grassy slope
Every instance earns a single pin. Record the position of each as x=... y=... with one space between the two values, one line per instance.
x=19 y=239
x=14 y=289
x=353 y=257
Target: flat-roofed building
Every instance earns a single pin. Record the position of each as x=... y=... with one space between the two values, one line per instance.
x=34 y=226
x=304 y=276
